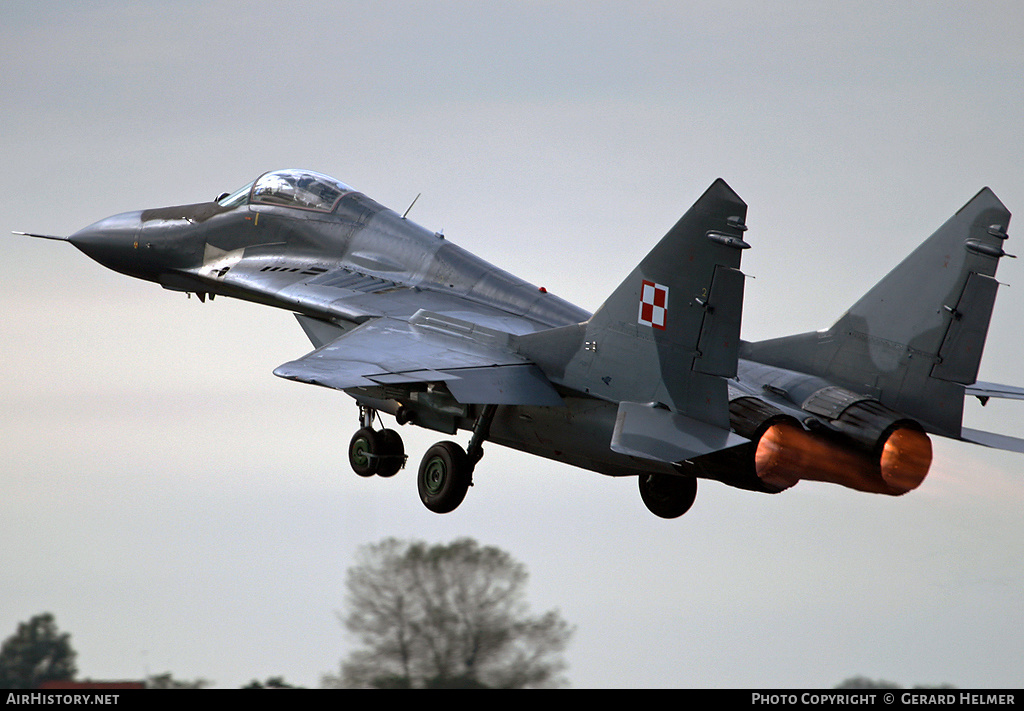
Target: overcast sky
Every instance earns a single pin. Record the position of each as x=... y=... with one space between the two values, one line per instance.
x=178 y=508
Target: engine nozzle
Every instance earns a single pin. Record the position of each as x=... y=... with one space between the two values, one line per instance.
x=789 y=453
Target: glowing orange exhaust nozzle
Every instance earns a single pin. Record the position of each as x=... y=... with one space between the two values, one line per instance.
x=906 y=458
x=786 y=454
x=781 y=456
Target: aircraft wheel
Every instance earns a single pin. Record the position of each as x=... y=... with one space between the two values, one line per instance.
x=444 y=477
x=392 y=453
x=666 y=495
x=363 y=451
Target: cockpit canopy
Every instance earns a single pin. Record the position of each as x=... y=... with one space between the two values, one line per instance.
x=290 y=188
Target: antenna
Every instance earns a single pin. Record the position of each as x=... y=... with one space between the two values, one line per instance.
x=411 y=204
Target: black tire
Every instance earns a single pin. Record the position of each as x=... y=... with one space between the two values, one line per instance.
x=666 y=495
x=444 y=477
x=392 y=453
x=363 y=451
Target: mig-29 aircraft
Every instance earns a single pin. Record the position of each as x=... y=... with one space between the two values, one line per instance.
x=655 y=384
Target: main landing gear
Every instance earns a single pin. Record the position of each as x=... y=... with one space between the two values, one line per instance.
x=666 y=495
x=446 y=470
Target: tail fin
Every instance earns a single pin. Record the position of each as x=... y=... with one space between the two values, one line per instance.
x=670 y=331
x=915 y=339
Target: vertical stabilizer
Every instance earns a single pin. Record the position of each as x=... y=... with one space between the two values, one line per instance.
x=669 y=334
x=916 y=338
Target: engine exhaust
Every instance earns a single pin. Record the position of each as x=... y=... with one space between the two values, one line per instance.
x=786 y=452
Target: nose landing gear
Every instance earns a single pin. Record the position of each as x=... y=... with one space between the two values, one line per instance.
x=379 y=452
x=376 y=452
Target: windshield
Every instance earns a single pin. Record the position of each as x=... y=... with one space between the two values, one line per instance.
x=239 y=197
x=297 y=188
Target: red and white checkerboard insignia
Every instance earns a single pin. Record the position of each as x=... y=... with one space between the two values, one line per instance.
x=653 y=304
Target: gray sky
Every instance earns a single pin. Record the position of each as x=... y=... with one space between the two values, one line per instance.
x=178 y=508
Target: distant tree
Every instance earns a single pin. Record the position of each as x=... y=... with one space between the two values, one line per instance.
x=862 y=682
x=443 y=616
x=272 y=682
x=37 y=652
x=166 y=681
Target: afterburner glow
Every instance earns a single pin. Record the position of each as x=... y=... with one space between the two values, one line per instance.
x=785 y=454
x=906 y=457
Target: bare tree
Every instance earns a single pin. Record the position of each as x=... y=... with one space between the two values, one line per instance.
x=446 y=615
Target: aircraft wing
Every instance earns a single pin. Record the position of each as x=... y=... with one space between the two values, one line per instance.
x=473 y=361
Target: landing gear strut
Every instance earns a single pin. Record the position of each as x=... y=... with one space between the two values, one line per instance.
x=446 y=472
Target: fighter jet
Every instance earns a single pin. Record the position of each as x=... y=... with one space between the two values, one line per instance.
x=655 y=384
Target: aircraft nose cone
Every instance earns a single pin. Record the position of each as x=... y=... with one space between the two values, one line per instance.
x=111 y=241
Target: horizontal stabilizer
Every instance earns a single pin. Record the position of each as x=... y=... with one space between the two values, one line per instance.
x=649 y=432
x=984 y=391
x=993 y=440
x=427 y=349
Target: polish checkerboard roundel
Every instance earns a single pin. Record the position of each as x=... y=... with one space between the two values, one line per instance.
x=653 y=304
